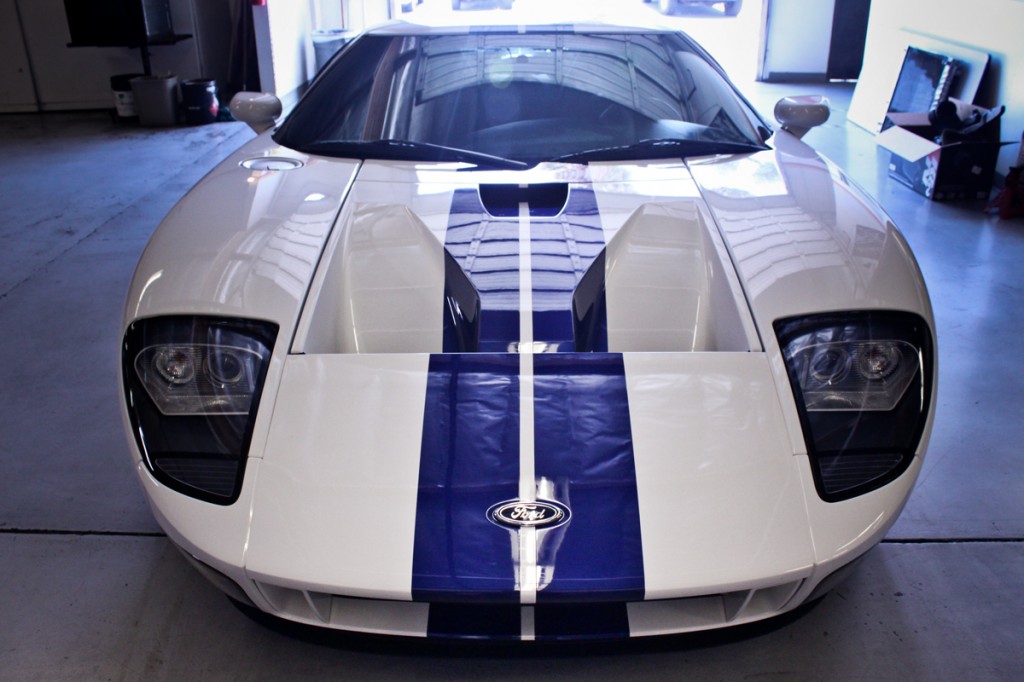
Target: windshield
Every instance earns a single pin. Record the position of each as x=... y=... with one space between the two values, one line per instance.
x=496 y=97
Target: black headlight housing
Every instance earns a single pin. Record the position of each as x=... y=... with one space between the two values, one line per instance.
x=192 y=386
x=862 y=382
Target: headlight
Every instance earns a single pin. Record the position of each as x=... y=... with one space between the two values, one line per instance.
x=186 y=379
x=193 y=385
x=862 y=383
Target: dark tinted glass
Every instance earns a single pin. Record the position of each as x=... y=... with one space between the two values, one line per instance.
x=529 y=96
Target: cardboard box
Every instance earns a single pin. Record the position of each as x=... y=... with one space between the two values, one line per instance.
x=942 y=165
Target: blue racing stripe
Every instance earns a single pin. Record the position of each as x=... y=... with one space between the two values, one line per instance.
x=551 y=621
x=584 y=445
x=581 y=621
x=494 y=621
x=562 y=249
x=487 y=250
x=469 y=461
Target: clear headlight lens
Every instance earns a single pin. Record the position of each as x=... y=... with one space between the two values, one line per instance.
x=862 y=383
x=199 y=379
x=176 y=366
x=192 y=386
x=852 y=375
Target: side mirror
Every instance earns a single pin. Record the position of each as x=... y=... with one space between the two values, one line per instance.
x=259 y=110
x=801 y=113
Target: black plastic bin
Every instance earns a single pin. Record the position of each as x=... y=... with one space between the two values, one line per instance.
x=199 y=100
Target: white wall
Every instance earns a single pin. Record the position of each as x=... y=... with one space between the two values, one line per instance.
x=284 y=46
x=360 y=14
x=993 y=26
x=328 y=14
x=798 y=38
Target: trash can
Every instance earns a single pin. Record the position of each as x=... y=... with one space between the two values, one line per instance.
x=199 y=101
x=327 y=42
x=124 y=100
x=156 y=100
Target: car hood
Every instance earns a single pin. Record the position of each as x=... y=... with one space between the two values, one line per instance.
x=247 y=240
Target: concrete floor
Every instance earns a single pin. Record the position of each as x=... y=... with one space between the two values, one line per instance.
x=93 y=590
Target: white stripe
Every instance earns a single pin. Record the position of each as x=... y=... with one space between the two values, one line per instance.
x=527 y=486
x=527 y=537
x=527 y=629
x=528 y=573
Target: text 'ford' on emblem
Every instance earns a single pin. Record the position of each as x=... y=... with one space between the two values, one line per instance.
x=528 y=514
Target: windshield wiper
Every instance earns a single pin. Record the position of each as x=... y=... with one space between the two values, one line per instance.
x=660 y=149
x=408 y=150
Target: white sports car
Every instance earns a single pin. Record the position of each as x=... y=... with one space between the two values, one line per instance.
x=526 y=333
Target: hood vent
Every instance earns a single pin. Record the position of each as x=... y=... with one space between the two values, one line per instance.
x=545 y=200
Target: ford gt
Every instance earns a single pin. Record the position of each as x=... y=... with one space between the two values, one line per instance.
x=526 y=333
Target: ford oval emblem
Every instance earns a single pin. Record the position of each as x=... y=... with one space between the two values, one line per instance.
x=528 y=514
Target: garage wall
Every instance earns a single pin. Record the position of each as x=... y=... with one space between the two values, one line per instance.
x=15 y=70
x=79 y=78
x=993 y=26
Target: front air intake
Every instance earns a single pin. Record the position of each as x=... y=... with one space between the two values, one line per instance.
x=544 y=200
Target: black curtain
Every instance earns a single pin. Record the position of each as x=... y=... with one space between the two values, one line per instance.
x=849 y=33
x=243 y=69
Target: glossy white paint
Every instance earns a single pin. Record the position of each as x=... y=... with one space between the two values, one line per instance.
x=383 y=285
x=804 y=239
x=242 y=243
x=842 y=531
x=721 y=500
x=625 y=190
x=214 y=534
x=689 y=614
x=335 y=508
x=258 y=110
x=665 y=285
